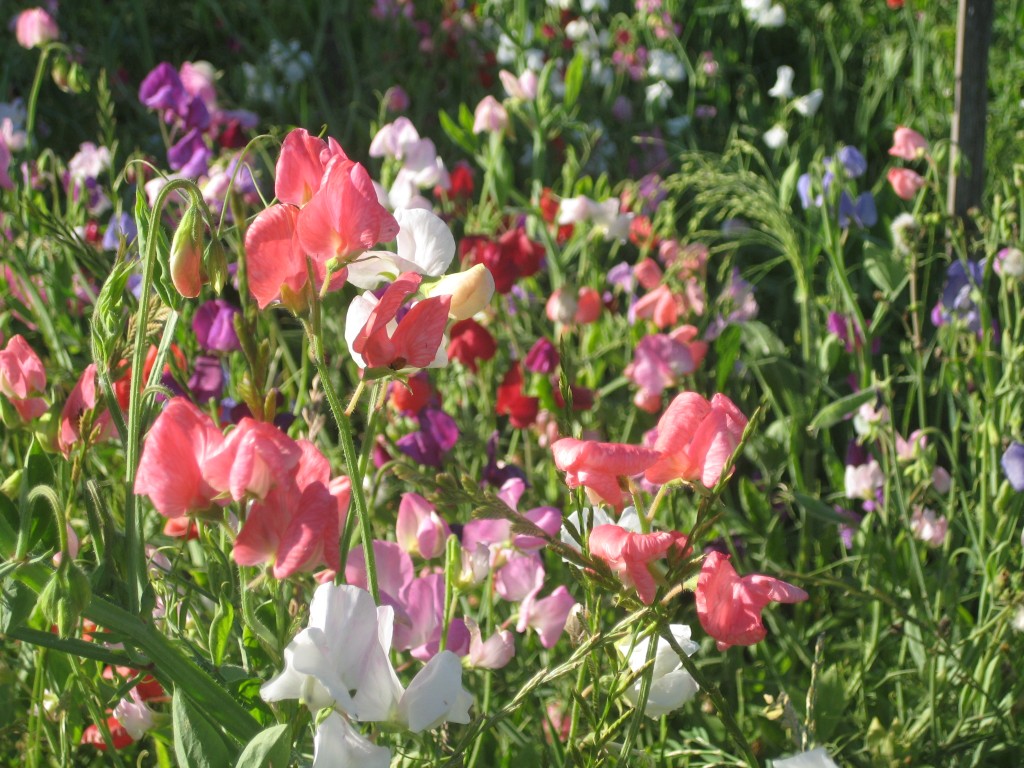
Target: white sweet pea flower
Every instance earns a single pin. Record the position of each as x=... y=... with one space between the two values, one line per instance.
x=783 y=88
x=671 y=685
x=578 y=29
x=658 y=93
x=425 y=246
x=338 y=745
x=808 y=105
x=773 y=17
x=392 y=139
x=665 y=65
x=590 y=518
x=816 y=758
x=609 y=220
x=776 y=137
x=435 y=695
x=133 y=713
x=589 y=6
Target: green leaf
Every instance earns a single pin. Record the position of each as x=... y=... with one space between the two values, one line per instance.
x=574 y=79
x=836 y=411
x=829 y=703
x=220 y=631
x=727 y=350
x=818 y=508
x=16 y=604
x=885 y=271
x=788 y=183
x=460 y=137
x=197 y=744
x=269 y=749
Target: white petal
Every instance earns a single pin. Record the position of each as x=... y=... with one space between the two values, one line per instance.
x=338 y=745
x=425 y=240
x=436 y=695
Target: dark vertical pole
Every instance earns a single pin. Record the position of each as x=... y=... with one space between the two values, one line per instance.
x=967 y=160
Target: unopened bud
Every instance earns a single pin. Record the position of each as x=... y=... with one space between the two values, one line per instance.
x=471 y=291
x=187 y=254
x=216 y=265
x=64 y=597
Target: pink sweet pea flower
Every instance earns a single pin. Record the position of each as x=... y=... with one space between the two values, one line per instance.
x=547 y=615
x=21 y=376
x=598 y=466
x=301 y=166
x=630 y=555
x=490 y=116
x=82 y=400
x=419 y=529
x=414 y=342
x=695 y=439
x=729 y=607
x=35 y=27
x=176 y=450
x=905 y=182
x=255 y=457
x=298 y=524
x=344 y=217
x=494 y=653
x=908 y=144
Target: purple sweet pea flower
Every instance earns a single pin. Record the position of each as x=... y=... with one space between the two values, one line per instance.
x=1013 y=465
x=162 y=89
x=956 y=302
x=214 y=326
x=542 y=357
x=497 y=473
x=197 y=115
x=621 y=276
x=803 y=188
x=207 y=381
x=659 y=361
x=190 y=156
x=436 y=436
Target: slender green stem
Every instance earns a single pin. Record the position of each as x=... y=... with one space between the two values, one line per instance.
x=33 y=99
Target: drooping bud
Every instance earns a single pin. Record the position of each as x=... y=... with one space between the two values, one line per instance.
x=64 y=597
x=186 y=257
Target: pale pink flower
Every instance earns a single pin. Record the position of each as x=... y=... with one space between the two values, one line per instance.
x=490 y=116
x=908 y=144
x=928 y=527
x=35 y=27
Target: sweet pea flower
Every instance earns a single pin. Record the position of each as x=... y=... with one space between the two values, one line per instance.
x=928 y=527
x=80 y=402
x=35 y=27
x=598 y=466
x=815 y=758
x=174 y=457
x=523 y=87
x=630 y=555
x=695 y=439
x=254 y=458
x=377 y=340
x=490 y=116
x=338 y=745
x=1013 y=465
x=470 y=290
x=729 y=607
x=419 y=529
x=671 y=685
x=301 y=165
x=22 y=377
x=134 y=715
x=783 y=88
x=425 y=246
x=908 y=144
x=905 y=182
x=471 y=342
x=493 y=653
x=547 y=616
x=214 y=326
x=436 y=436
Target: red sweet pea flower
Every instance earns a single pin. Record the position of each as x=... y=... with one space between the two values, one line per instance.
x=729 y=607
x=598 y=466
x=118 y=734
x=630 y=555
x=471 y=342
x=695 y=439
x=512 y=402
x=176 y=451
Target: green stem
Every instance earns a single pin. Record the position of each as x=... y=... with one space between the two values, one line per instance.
x=33 y=99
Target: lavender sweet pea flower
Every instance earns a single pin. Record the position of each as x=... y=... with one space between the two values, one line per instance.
x=862 y=212
x=956 y=302
x=121 y=225
x=803 y=188
x=1013 y=465
x=214 y=326
x=853 y=162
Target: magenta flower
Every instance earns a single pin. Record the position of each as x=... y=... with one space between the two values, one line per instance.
x=214 y=326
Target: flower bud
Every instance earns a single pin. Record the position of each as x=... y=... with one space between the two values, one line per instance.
x=186 y=257
x=216 y=263
x=471 y=291
x=64 y=598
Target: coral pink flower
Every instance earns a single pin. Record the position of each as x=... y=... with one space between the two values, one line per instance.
x=905 y=182
x=255 y=457
x=275 y=260
x=589 y=306
x=181 y=441
x=344 y=217
x=729 y=607
x=630 y=555
x=415 y=341
x=35 y=27
x=21 y=376
x=298 y=525
x=82 y=400
x=908 y=144
x=661 y=306
x=598 y=466
x=301 y=166
x=696 y=438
